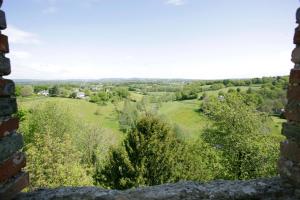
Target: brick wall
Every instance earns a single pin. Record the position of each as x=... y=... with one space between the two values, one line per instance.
x=12 y=160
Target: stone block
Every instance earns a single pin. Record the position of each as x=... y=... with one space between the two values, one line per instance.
x=8 y=106
x=296 y=55
x=290 y=150
x=297 y=37
x=14 y=186
x=292 y=131
x=292 y=110
x=289 y=170
x=2 y=20
x=4 y=47
x=295 y=76
x=12 y=166
x=5 y=68
x=7 y=88
x=10 y=145
x=298 y=16
x=8 y=126
x=293 y=92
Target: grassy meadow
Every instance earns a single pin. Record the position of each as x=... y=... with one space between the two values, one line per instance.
x=184 y=115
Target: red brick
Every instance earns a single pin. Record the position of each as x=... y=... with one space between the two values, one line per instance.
x=295 y=76
x=297 y=37
x=7 y=88
x=12 y=166
x=292 y=116
x=8 y=126
x=14 y=186
x=4 y=47
x=290 y=150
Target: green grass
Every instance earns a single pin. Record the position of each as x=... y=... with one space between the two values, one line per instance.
x=277 y=125
x=84 y=111
x=182 y=113
x=135 y=96
x=186 y=116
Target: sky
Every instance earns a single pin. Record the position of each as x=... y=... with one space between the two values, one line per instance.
x=193 y=39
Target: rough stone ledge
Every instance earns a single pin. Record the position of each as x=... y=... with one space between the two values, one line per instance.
x=265 y=189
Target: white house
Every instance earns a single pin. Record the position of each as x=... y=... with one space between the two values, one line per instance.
x=80 y=95
x=43 y=92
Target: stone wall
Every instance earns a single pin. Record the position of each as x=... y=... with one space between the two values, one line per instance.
x=265 y=189
x=289 y=163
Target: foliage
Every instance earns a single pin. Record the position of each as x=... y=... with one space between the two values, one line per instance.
x=26 y=91
x=151 y=155
x=128 y=116
x=53 y=159
x=62 y=151
x=53 y=162
x=54 y=91
x=240 y=132
x=186 y=95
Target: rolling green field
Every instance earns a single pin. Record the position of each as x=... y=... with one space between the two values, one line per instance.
x=183 y=115
x=82 y=110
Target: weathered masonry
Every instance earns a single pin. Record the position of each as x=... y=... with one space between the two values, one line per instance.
x=12 y=160
x=289 y=163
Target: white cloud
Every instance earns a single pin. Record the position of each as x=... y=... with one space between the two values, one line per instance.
x=176 y=2
x=18 y=36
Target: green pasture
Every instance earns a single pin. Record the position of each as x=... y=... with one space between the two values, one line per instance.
x=104 y=116
x=183 y=115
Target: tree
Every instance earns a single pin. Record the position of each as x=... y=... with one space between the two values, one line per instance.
x=152 y=155
x=73 y=95
x=242 y=135
x=147 y=157
x=53 y=159
x=53 y=162
x=38 y=88
x=128 y=116
x=54 y=91
x=122 y=92
x=26 y=91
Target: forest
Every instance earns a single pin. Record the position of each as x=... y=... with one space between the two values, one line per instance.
x=121 y=134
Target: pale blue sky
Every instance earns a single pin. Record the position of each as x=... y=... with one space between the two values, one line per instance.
x=199 y=39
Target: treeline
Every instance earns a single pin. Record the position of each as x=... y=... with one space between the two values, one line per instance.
x=192 y=90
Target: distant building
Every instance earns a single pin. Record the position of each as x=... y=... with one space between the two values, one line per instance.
x=43 y=93
x=80 y=95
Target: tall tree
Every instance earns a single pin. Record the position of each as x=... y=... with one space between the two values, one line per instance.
x=151 y=155
x=243 y=136
x=53 y=160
